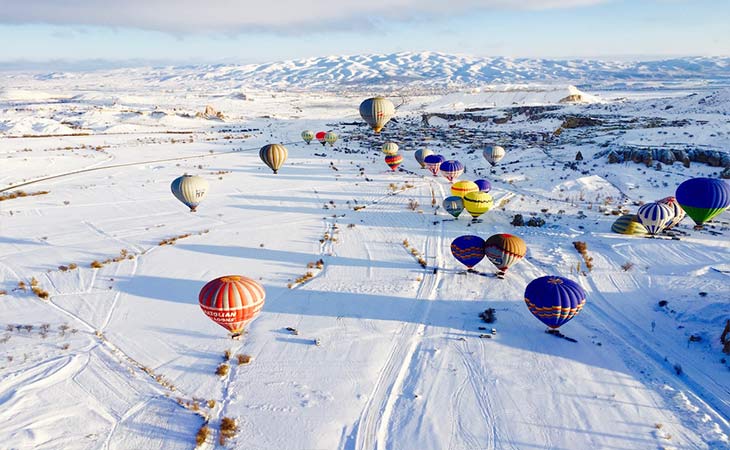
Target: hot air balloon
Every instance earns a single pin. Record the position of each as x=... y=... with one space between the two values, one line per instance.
x=468 y=250
x=377 y=111
x=421 y=154
x=451 y=170
x=677 y=210
x=703 y=198
x=232 y=302
x=503 y=250
x=273 y=155
x=483 y=185
x=433 y=163
x=554 y=300
x=390 y=148
x=477 y=203
x=628 y=224
x=454 y=205
x=493 y=154
x=307 y=136
x=190 y=189
x=463 y=187
x=393 y=161
x=330 y=137
x=654 y=216
x=321 y=137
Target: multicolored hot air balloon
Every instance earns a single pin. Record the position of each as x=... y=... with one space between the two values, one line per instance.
x=321 y=137
x=477 y=203
x=504 y=250
x=273 y=155
x=554 y=300
x=377 y=111
x=390 y=148
x=677 y=210
x=232 y=302
x=451 y=169
x=493 y=154
x=433 y=163
x=454 y=205
x=421 y=155
x=629 y=224
x=484 y=185
x=463 y=187
x=703 y=198
x=330 y=137
x=654 y=216
x=468 y=250
x=307 y=135
x=190 y=189
x=393 y=161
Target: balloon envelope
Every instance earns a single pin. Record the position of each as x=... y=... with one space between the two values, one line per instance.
x=451 y=169
x=321 y=137
x=377 y=111
x=330 y=137
x=433 y=163
x=654 y=216
x=483 y=185
x=454 y=205
x=190 y=190
x=493 y=154
x=232 y=301
x=307 y=135
x=390 y=148
x=393 y=161
x=628 y=224
x=468 y=250
x=504 y=250
x=463 y=187
x=273 y=155
x=554 y=300
x=677 y=210
x=421 y=154
x=703 y=198
x=477 y=203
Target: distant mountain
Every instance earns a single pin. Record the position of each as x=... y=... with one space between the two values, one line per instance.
x=439 y=69
x=425 y=69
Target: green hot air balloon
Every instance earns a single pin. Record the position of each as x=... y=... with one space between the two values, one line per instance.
x=307 y=135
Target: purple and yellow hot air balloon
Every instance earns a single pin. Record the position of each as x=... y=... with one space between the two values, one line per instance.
x=554 y=300
x=451 y=169
x=468 y=250
x=433 y=163
x=703 y=198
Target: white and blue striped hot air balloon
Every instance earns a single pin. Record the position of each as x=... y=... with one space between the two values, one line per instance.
x=655 y=216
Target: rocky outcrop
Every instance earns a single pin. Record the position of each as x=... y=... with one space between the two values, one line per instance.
x=714 y=158
x=580 y=122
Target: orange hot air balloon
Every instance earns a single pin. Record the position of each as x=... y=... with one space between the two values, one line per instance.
x=393 y=161
x=232 y=302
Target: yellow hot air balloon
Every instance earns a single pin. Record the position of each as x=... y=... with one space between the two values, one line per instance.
x=273 y=155
x=190 y=189
x=330 y=138
x=390 y=148
x=477 y=203
x=307 y=135
x=377 y=111
x=463 y=187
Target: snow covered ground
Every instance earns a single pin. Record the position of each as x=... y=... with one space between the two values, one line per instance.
x=121 y=357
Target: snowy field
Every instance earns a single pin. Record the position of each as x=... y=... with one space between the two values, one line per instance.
x=121 y=356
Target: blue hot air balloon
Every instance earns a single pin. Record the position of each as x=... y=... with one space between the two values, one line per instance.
x=484 y=185
x=554 y=300
x=703 y=198
x=468 y=250
x=451 y=169
x=655 y=216
x=454 y=205
x=433 y=163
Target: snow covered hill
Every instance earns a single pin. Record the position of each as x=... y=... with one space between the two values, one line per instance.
x=432 y=69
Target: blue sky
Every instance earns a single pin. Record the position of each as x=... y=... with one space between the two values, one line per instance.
x=174 y=31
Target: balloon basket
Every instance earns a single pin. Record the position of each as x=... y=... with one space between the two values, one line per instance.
x=500 y=274
x=237 y=336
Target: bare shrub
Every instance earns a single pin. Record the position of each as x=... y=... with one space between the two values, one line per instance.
x=228 y=429
x=222 y=370
x=202 y=436
x=244 y=359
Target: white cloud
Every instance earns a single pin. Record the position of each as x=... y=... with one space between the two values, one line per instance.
x=244 y=15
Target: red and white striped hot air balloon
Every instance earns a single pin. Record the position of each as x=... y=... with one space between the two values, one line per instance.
x=232 y=302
